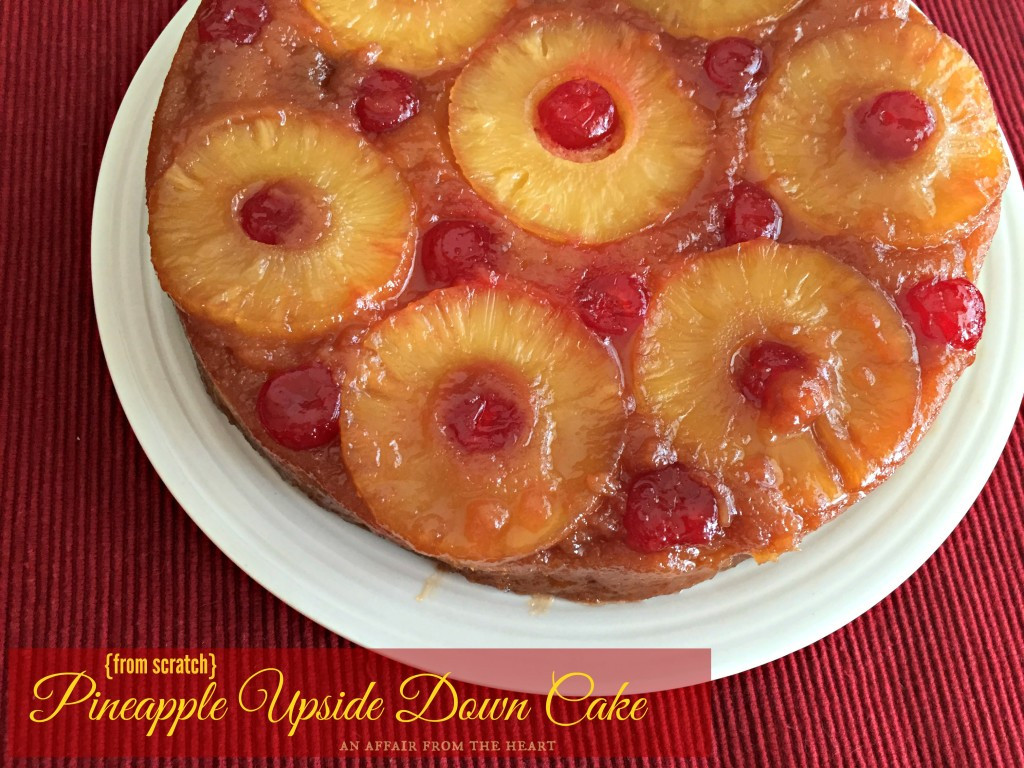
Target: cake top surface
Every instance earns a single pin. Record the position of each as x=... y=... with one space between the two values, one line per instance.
x=588 y=287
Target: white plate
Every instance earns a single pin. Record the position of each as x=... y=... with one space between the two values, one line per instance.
x=365 y=588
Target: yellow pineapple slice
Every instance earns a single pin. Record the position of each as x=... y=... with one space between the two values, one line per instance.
x=715 y=18
x=280 y=227
x=777 y=353
x=653 y=156
x=806 y=140
x=412 y=35
x=480 y=424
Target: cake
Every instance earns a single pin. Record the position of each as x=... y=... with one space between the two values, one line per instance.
x=577 y=298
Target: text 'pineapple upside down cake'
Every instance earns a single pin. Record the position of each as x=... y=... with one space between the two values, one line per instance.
x=581 y=298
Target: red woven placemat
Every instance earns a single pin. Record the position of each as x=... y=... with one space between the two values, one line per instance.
x=95 y=552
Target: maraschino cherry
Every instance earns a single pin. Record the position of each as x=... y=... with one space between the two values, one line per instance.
x=387 y=99
x=480 y=418
x=278 y=214
x=669 y=507
x=300 y=408
x=732 y=64
x=782 y=381
x=950 y=311
x=765 y=361
x=612 y=303
x=458 y=249
x=751 y=214
x=894 y=125
x=578 y=114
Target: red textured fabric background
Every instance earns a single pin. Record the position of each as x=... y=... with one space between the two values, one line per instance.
x=95 y=552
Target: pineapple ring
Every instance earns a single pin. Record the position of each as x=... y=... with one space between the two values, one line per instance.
x=714 y=306
x=800 y=140
x=214 y=271
x=665 y=143
x=715 y=18
x=482 y=507
x=418 y=36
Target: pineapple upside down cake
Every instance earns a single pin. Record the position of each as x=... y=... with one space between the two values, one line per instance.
x=590 y=299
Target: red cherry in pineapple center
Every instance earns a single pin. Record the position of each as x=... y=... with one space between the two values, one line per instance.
x=764 y=361
x=950 y=311
x=578 y=114
x=387 y=99
x=669 y=507
x=612 y=304
x=456 y=250
x=480 y=413
x=240 y=21
x=283 y=213
x=783 y=382
x=894 y=125
x=300 y=408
